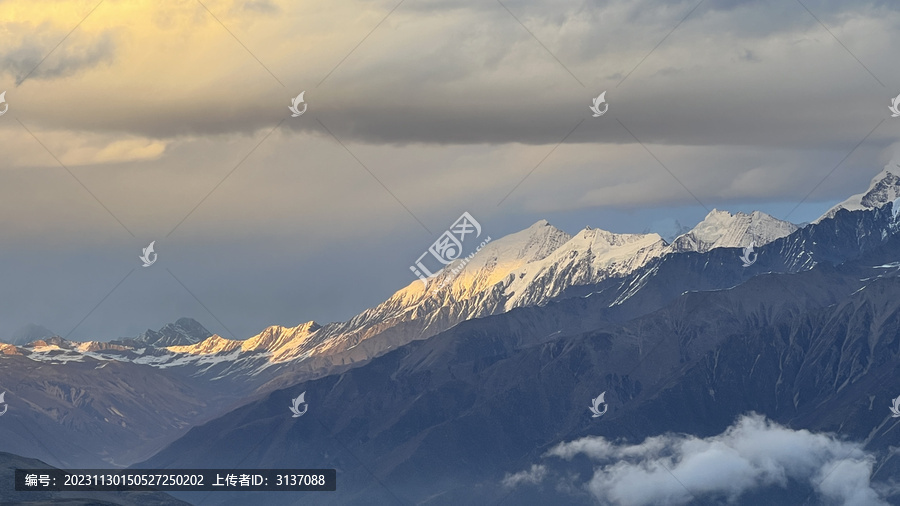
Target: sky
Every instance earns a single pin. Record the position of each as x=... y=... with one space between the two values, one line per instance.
x=137 y=121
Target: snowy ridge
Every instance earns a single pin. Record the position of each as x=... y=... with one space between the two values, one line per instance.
x=590 y=257
x=271 y=339
x=526 y=268
x=884 y=188
x=211 y=345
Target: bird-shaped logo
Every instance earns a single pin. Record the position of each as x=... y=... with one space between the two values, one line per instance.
x=5 y=405
x=746 y=258
x=600 y=100
x=295 y=104
x=595 y=408
x=894 y=108
x=146 y=255
x=895 y=409
x=3 y=101
x=295 y=407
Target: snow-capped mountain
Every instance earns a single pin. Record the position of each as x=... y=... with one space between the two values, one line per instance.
x=721 y=229
x=884 y=188
x=589 y=279
x=526 y=268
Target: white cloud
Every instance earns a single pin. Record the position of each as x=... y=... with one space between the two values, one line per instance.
x=753 y=453
x=534 y=475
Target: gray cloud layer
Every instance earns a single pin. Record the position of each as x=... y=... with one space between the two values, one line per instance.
x=734 y=72
x=24 y=60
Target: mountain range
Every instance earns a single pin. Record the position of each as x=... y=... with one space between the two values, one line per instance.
x=526 y=268
x=448 y=395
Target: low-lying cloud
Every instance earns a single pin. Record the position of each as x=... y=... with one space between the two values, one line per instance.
x=751 y=455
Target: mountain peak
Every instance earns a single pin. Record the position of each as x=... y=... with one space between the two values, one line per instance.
x=184 y=332
x=518 y=248
x=884 y=188
x=310 y=326
x=607 y=238
x=721 y=229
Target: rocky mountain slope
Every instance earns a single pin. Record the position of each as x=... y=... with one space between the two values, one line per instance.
x=446 y=420
x=69 y=406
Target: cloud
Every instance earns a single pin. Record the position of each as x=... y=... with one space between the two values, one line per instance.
x=534 y=475
x=26 y=60
x=261 y=6
x=735 y=72
x=761 y=114
x=116 y=151
x=475 y=75
x=752 y=454
x=82 y=148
